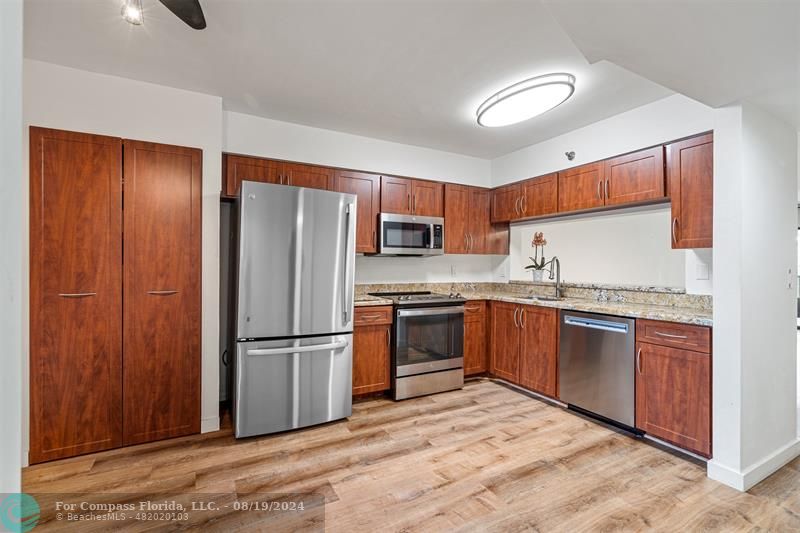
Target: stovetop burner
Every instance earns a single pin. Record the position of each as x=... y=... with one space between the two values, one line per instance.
x=421 y=297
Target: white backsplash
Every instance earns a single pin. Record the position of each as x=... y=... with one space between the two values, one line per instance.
x=434 y=269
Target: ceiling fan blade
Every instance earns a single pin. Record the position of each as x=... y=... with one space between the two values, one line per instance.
x=188 y=11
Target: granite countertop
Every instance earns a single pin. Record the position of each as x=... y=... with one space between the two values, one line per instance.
x=367 y=300
x=685 y=315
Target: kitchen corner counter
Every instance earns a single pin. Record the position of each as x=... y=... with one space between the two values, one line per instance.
x=366 y=301
x=684 y=315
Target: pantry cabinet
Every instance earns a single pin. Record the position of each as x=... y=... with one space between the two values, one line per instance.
x=690 y=174
x=367 y=188
x=673 y=383
x=372 y=337
x=115 y=345
x=475 y=337
x=407 y=196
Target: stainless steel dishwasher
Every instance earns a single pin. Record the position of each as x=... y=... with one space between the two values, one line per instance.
x=596 y=365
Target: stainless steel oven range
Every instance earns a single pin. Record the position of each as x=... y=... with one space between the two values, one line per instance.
x=427 y=343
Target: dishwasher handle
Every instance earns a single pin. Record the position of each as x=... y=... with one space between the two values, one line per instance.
x=593 y=323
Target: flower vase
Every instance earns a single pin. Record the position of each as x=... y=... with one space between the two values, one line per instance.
x=538 y=275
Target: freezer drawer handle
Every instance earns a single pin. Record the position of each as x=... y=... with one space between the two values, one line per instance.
x=299 y=349
x=592 y=323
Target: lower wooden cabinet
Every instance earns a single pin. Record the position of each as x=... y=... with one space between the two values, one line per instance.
x=525 y=346
x=673 y=387
x=372 y=349
x=475 y=341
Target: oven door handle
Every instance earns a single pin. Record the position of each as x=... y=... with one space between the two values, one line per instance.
x=451 y=310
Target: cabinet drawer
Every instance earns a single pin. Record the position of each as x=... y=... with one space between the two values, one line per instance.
x=696 y=338
x=366 y=316
x=474 y=310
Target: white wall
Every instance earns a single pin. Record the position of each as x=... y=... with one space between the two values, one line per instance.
x=250 y=135
x=438 y=269
x=65 y=98
x=755 y=360
x=668 y=119
x=11 y=230
x=630 y=247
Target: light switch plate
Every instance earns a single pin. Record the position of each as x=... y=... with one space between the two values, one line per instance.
x=701 y=271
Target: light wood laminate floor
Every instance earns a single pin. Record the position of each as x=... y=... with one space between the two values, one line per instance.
x=485 y=458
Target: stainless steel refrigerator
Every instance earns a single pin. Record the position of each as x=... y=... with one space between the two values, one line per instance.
x=294 y=307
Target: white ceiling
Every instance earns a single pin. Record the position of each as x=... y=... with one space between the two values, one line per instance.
x=410 y=71
x=717 y=52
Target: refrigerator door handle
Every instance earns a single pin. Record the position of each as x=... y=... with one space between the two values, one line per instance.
x=299 y=349
x=347 y=305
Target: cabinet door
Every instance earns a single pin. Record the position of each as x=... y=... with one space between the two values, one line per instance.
x=427 y=198
x=581 y=188
x=673 y=396
x=371 y=358
x=456 y=217
x=396 y=195
x=690 y=174
x=540 y=196
x=505 y=341
x=479 y=224
x=367 y=188
x=75 y=293
x=475 y=338
x=307 y=176
x=538 y=357
x=506 y=203
x=240 y=168
x=635 y=177
x=161 y=326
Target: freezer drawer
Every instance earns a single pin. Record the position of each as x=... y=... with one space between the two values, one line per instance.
x=291 y=383
x=596 y=364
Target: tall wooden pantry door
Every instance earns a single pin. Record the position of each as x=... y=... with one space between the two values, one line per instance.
x=76 y=293
x=161 y=329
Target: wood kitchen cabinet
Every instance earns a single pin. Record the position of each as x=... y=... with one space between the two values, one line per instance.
x=311 y=176
x=407 y=196
x=75 y=293
x=505 y=336
x=581 y=187
x=506 y=203
x=538 y=352
x=690 y=175
x=161 y=286
x=115 y=346
x=635 y=177
x=539 y=196
x=372 y=336
x=367 y=188
x=236 y=169
x=673 y=384
x=475 y=338
x=468 y=226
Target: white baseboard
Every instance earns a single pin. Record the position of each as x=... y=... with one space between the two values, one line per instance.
x=756 y=473
x=207 y=425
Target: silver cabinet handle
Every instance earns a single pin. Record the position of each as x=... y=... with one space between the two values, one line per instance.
x=599 y=192
x=674 y=232
x=606 y=190
x=77 y=294
x=369 y=317
x=162 y=293
x=414 y=204
x=408 y=200
x=522 y=317
x=639 y=360
x=524 y=204
x=388 y=336
x=466 y=242
x=670 y=336
x=516 y=310
x=471 y=242
x=299 y=349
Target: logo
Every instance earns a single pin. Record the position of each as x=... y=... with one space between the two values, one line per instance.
x=18 y=512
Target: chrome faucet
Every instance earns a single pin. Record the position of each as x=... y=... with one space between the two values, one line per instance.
x=555 y=270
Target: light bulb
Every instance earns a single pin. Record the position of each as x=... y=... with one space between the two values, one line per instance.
x=132 y=11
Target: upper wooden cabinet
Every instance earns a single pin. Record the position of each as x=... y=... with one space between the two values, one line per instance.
x=236 y=169
x=538 y=352
x=635 y=177
x=690 y=175
x=673 y=384
x=367 y=188
x=506 y=202
x=468 y=226
x=407 y=196
x=581 y=187
x=310 y=176
x=539 y=196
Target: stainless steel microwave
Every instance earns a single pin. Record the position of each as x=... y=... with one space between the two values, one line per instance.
x=410 y=235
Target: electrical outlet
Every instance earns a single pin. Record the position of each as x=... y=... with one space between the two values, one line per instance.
x=701 y=271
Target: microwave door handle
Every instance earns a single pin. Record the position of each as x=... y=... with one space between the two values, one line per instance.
x=430 y=235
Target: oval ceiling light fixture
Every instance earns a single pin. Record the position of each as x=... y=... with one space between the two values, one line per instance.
x=132 y=12
x=526 y=99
